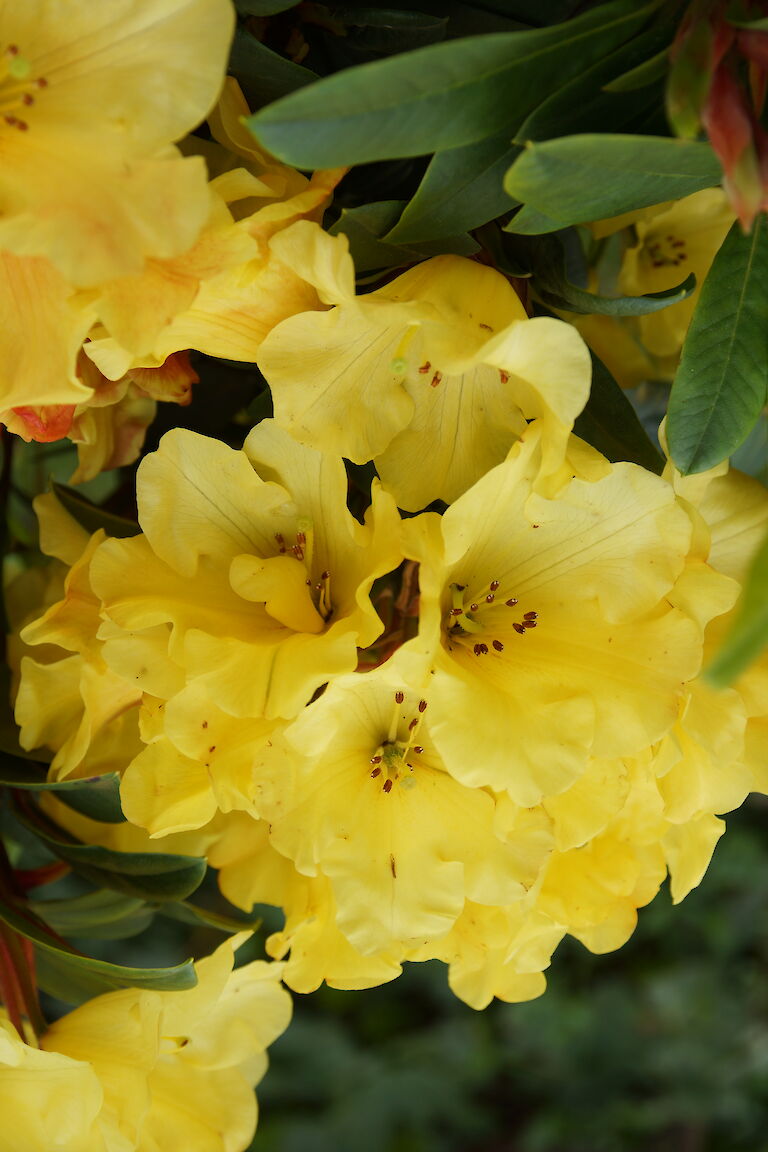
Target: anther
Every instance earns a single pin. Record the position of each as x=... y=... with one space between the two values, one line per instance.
x=412 y=724
x=22 y=125
x=473 y=607
x=490 y=598
x=498 y=645
x=387 y=786
x=376 y=759
x=425 y=368
x=530 y=615
x=457 y=611
x=422 y=705
x=511 y=603
x=518 y=628
x=399 y=697
x=376 y=772
x=325 y=575
x=280 y=541
x=308 y=582
x=418 y=750
x=503 y=376
x=438 y=376
x=27 y=99
x=41 y=82
x=12 y=50
x=494 y=585
x=529 y=623
x=481 y=649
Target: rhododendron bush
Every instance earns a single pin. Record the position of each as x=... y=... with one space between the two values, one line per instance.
x=351 y=580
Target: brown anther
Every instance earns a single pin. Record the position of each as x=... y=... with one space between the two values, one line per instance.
x=529 y=623
x=518 y=628
x=301 y=539
x=481 y=649
x=27 y=99
x=399 y=697
x=412 y=724
x=486 y=326
x=205 y=723
x=41 y=82
x=318 y=587
x=490 y=598
x=376 y=759
x=511 y=603
x=457 y=611
x=498 y=645
x=22 y=125
x=211 y=749
x=325 y=575
x=376 y=772
x=308 y=582
x=418 y=750
x=435 y=379
x=425 y=368
x=12 y=50
x=387 y=786
x=503 y=376
x=494 y=585
x=422 y=705
x=530 y=615
x=10 y=121
x=280 y=541
x=473 y=607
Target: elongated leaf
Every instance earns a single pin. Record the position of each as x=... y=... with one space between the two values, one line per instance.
x=75 y=973
x=588 y=104
x=100 y=915
x=749 y=633
x=234 y=920
x=263 y=75
x=461 y=189
x=90 y=516
x=94 y=796
x=442 y=96
x=580 y=178
x=154 y=876
x=722 y=381
x=363 y=227
x=610 y=423
x=545 y=257
x=649 y=72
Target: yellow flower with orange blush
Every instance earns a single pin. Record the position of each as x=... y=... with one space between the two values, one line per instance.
x=92 y=97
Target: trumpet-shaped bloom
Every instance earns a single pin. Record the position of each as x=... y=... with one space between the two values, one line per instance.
x=371 y=807
x=139 y=1071
x=441 y=368
x=553 y=624
x=91 y=98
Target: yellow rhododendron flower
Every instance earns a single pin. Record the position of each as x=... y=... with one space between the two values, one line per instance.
x=553 y=624
x=92 y=97
x=68 y=699
x=443 y=365
x=140 y=1071
x=370 y=806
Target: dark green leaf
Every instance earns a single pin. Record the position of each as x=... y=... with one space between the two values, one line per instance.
x=462 y=189
x=649 y=72
x=443 y=96
x=372 y=32
x=546 y=259
x=576 y=179
x=94 y=796
x=90 y=516
x=73 y=974
x=610 y=423
x=100 y=915
x=363 y=227
x=263 y=75
x=264 y=7
x=749 y=632
x=232 y=920
x=722 y=380
x=759 y=25
x=153 y=876
x=587 y=104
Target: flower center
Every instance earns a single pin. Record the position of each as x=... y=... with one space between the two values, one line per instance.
x=472 y=619
x=666 y=251
x=18 y=89
x=302 y=549
x=396 y=757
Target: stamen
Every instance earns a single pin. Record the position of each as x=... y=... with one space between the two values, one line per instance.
x=490 y=598
x=376 y=759
x=376 y=772
x=436 y=379
x=530 y=615
x=422 y=705
x=387 y=786
x=518 y=628
x=417 y=748
x=425 y=368
x=412 y=724
x=399 y=697
x=498 y=645
x=494 y=585
x=280 y=542
x=511 y=602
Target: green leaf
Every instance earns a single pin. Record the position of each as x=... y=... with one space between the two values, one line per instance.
x=153 y=876
x=94 y=796
x=749 y=633
x=580 y=178
x=264 y=7
x=442 y=96
x=461 y=189
x=759 y=25
x=649 y=72
x=71 y=976
x=546 y=259
x=90 y=516
x=100 y=915
x=588 y=104
x=610 y=423
x=263 y=75
x=722 y=381
x=364 y=225
x=233 y=920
